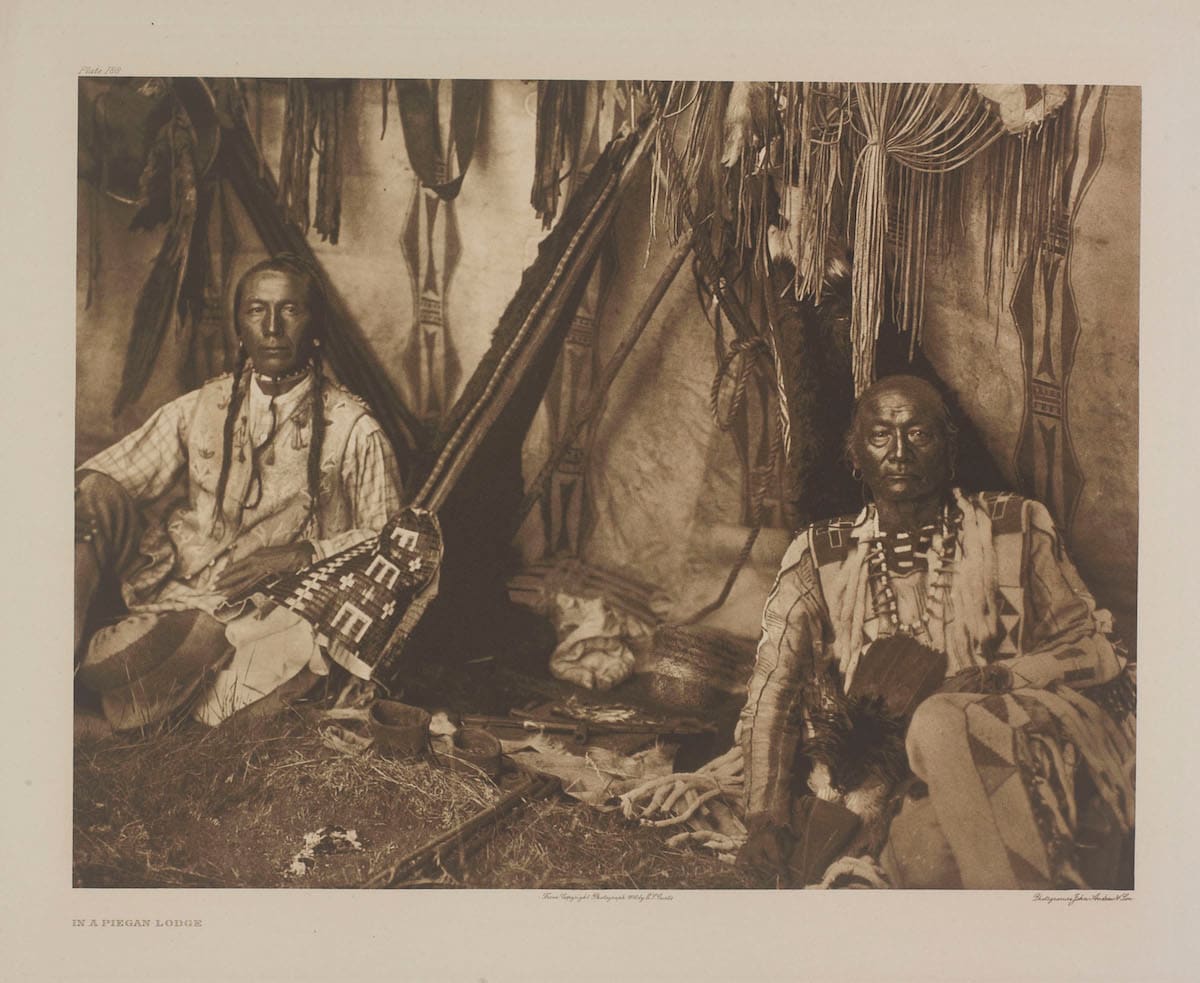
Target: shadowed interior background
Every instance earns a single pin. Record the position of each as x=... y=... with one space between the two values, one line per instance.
x=664 y=496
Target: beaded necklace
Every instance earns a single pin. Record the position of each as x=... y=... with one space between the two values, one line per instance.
x=883 y=593
x=282 y=377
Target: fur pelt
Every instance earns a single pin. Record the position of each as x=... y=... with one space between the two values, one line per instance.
x=858 y=741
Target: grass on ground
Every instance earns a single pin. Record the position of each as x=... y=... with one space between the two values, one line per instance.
x=193 y=807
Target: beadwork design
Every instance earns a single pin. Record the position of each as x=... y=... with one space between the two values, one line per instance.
x=883 y=593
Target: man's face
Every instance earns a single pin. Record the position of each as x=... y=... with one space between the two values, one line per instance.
x=900 y=446
x=274 y=322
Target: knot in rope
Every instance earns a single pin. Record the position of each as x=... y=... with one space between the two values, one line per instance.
x=748 y=350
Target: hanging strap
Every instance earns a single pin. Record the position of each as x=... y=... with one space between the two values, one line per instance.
x=422 y=130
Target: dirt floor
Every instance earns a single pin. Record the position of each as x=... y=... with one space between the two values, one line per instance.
x=194 y=807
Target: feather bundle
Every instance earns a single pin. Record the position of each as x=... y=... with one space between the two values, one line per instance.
x=171 y=164
x=859 y=735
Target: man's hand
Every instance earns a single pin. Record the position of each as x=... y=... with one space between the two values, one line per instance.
x=767 y=848
x=270 y=560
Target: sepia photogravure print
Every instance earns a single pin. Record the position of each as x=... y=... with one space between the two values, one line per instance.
x=605 y=485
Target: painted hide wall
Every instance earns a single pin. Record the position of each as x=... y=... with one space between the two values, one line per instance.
x=664 y=485
x=497 y=229
x=975 y=344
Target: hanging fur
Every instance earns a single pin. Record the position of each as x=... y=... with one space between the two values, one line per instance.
x=1023 y=106
x=857 y=739
x=748 y=122
x=811 y=356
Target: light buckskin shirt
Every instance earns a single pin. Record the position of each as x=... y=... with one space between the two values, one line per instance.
x=187 y=552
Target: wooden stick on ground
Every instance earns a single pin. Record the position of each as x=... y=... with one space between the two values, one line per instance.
x=433 y=851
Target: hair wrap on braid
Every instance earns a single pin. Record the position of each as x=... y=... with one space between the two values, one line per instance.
x=316 y=440
x=239 y=369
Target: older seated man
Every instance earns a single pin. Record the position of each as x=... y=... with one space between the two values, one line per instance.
x=1003 y=753
x=272 y=467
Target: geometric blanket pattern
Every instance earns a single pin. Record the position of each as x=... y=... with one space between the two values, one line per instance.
x=358 y=598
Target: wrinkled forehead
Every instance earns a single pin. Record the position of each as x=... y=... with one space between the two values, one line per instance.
x=901 y=403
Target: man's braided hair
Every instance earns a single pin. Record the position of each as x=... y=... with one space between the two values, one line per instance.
x=318 y=306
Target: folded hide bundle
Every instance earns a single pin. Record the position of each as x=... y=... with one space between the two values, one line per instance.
x=594 y=652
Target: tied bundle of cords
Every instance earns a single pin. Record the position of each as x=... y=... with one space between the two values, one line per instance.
x=706 y=803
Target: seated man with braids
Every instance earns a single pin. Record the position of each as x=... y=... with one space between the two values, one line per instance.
x=273 y=466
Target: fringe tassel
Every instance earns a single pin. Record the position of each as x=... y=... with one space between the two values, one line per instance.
x=971 y=618
x=921 y=132
x=826 y=115
x=313 y=117
x=867 y=277
x=701 y=177
x=295 y=158
x=1023 y=182
x=331 y=99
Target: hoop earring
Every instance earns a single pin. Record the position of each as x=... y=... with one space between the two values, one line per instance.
x=856 y=474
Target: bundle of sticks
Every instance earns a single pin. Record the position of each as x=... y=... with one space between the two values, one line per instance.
x=707 y=803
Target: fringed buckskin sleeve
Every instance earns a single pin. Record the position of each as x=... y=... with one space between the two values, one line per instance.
x=772 y=721
x=1066 y=638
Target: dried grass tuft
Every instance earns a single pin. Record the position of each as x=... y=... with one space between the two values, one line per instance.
x=193 y=807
